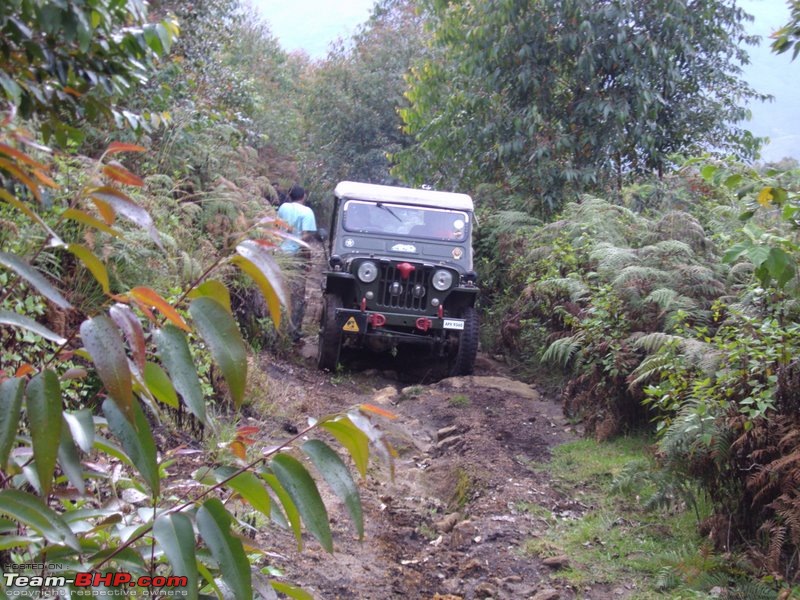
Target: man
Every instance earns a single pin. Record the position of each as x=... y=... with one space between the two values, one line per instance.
x=300 y=219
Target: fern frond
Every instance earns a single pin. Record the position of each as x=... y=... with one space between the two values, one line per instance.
x=575 y=289
x=611 y=258
x=649 y=368
x=667 y=251
x=563 y=350
x=633 y=273
x=679 y=225
x=652 y=342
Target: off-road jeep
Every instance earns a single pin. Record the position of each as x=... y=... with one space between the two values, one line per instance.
x=400 y=276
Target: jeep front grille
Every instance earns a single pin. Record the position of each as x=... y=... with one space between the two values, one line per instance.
x=390 y=298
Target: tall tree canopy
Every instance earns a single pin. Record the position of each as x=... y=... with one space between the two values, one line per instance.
x=554 y=97
x=67 y=62
x=351 y=109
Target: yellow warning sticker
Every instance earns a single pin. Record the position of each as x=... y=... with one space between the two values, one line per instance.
x=351 y=325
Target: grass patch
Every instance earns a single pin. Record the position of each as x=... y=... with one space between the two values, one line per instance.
x=608 y=536
x=611 y=537
x=462 y=490
x=459 y=401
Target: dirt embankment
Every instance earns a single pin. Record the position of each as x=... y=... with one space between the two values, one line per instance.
x=454 y=520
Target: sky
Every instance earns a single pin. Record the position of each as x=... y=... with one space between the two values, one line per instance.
x=311 y=26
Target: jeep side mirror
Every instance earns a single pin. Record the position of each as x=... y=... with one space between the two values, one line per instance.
x=322 y=234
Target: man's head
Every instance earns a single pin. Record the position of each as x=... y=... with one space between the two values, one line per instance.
x=297 y=193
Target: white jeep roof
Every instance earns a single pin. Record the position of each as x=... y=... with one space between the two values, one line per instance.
x=384 y=193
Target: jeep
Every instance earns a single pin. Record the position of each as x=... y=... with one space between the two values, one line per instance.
x=400 y=276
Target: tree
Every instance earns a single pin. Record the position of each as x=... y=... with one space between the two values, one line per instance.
x=788 y=36
x=84 y=382
x=68 y=62
x=351 y=113
x=553 y=98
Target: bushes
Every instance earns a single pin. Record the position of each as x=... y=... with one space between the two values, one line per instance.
x=123 y=361
x=683 y=318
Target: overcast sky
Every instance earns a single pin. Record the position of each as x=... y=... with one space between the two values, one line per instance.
x=311 y=25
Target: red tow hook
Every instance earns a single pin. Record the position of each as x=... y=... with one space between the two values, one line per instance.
x=424 y=323
x=441 y=311
x=377 y=320
x=363 y=304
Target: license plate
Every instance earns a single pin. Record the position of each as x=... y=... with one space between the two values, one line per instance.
x=453 y=324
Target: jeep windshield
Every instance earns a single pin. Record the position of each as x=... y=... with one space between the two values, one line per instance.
x=384 y=218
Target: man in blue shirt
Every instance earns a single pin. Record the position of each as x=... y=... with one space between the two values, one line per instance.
x=300 y=219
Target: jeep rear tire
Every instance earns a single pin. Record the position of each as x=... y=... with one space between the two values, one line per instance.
x=463 y=358
x=330 y=335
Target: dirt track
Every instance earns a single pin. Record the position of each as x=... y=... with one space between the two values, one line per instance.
x=451 y=524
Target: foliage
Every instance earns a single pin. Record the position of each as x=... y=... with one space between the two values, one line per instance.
x=351 y=121
x=559 y=98
x=788 y=36
x=66 y=62
x=81 y=321
x=134 y=353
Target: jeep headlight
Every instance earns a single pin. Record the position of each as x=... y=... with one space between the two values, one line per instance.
x=367 y=271
x=442 y=280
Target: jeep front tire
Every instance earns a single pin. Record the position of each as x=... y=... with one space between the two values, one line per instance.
x=330 y=335
x=463 y=357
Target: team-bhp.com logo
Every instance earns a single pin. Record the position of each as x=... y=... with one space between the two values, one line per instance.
x=93 y=584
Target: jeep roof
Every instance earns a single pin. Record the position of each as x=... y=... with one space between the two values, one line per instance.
x=384 y=193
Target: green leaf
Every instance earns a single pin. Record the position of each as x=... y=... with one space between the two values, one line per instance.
x=175 y=535
x=218 y=329
x=33 y=277
x=336 y=473
x=757 y=255
x=126 y=207
x=159 y=384
x=30 y=511
x=69 y=461
x=104 y=343
x=91 y=262
x=107 y=447
x=131 y=328
x=173 y=349
x=291 y=590
x=248 y=486
x=136 y=439
x=11 y=393
x=86 y=219
x=81 y=424
x=781 y=266
x=213 y=523
x=213 y=289
x=292 y=514
x=789 y=212
x=210 y=580
x=708 y=172
x=256 y=261
x=733 y=181
x=736 y=251
x=305 y=495
x=43 y=402
x=23 y=322
x=353 y=439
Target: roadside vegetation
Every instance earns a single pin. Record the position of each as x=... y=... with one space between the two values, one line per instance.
x=650 y=282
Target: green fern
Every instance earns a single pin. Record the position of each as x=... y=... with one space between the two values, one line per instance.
x=562 y=351
x=640 y=273
x=574 y=289
x=612 y=259
x=653 y=342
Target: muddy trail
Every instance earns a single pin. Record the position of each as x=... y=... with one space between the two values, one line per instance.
x=451 y=523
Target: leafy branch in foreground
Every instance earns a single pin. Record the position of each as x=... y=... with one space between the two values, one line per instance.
x=84 y=483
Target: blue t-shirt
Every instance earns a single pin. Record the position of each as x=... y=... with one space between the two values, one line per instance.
x=300 y=218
